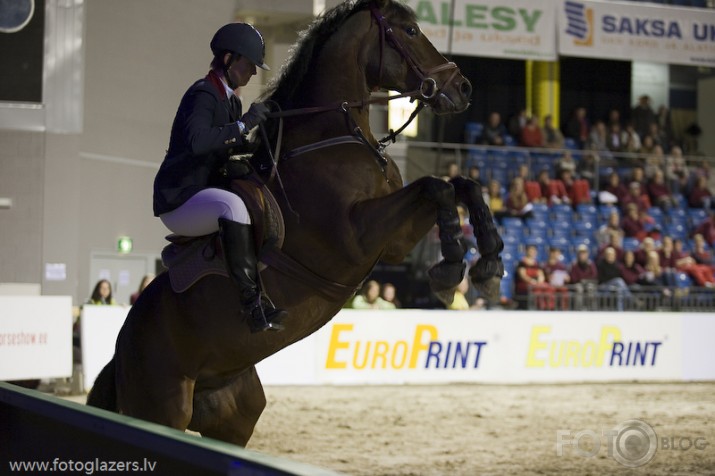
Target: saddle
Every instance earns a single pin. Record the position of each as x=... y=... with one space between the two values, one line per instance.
x=191 y=258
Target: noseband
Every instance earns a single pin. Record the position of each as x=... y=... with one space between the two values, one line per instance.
x=428 y=86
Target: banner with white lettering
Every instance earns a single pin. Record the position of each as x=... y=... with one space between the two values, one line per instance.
x=518 y=29
x=637 y=32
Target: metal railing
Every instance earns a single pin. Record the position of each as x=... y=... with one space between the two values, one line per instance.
x=593 y=297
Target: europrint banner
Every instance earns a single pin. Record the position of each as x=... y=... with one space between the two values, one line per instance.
x=518 y=29
x=634 y=32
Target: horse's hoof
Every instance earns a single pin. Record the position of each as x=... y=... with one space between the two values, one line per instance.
x=489 y=289
x=445 y=275
x=444 y=278
x=486 y=276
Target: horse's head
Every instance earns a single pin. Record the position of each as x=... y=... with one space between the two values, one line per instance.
x=403 y=59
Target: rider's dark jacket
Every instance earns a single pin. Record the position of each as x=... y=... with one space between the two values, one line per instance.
x=202 y=136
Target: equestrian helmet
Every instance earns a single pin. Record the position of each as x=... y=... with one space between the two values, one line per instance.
x=242 y=39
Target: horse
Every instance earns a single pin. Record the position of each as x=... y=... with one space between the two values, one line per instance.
x=187 y=359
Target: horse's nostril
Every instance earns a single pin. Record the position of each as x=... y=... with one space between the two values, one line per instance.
x=466 y=88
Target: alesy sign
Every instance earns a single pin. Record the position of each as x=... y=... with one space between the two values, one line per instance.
x=520 y=29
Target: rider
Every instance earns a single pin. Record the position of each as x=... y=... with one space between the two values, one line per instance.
x=190 y=189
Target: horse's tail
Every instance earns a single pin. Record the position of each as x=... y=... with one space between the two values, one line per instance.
x=104 y=391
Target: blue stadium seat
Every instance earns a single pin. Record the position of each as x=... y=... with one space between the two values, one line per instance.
x=682 y=280
x=631 y=244
x=586 y=209
x=561 y=229
x=697 y=215
x=473 y=132
x=585 y=229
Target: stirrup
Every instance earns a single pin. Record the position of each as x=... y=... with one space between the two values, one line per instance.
x=262 y=319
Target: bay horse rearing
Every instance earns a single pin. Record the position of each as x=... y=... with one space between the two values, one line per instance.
x=187 y=360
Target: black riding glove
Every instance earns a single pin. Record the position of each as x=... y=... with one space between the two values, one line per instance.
x=256 y=114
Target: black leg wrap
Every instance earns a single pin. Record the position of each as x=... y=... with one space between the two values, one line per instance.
x=488 y=239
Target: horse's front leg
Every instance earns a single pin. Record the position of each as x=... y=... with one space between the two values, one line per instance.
x=393 y=225
x=486 y=274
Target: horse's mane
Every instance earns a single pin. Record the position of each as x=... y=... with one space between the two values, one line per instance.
x=287 y=84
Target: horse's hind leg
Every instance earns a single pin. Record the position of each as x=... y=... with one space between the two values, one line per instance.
x=230 y=413
x=489 y=269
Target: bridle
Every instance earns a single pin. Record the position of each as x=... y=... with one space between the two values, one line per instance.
x=428 y=86
x=428 y=89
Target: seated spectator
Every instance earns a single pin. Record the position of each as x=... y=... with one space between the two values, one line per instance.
x=553 y=138
x=700 y=196
x=557 y=275
x=517 y=203
x=102 y=294
x=583 y=275
x=474 y=173
x=531 y=134
x=706 y=228
x=494 y=130
x=565 y=162
x=577 y=190
x=369 y=298
x=654 y=161
x=551 y=190
x=614 y=137
x=647 y=144
x=598 y=137
x=701 y=254
x=631 y=270
x=144 y=283
x=516 y=123
x=616 y=188
x=693 y=264
x=460 y=302
x=453 y=171
x=389 y=294
x=669 y=261
x=615 y=243
x=610 y=277
x=577 y=127
x=530 y=277
x=637 y=196
x=652 y=271
x=647 y=246
x=630 y=139
x=587 y=168
x=638 y=175
x=676 y=170
x=495 y=199
x=658 y=191
x=631 y=223
x=611 y=227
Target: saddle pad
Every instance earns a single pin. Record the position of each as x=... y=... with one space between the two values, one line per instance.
x=190 y=261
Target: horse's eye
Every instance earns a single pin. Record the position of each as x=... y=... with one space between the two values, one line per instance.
x=411 y=31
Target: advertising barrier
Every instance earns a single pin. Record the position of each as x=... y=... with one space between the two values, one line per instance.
x=633 y=31
x=522 y=29
x=439 y=347
x=35 y=337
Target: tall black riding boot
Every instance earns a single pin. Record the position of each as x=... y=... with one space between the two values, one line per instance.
x=241 y=264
